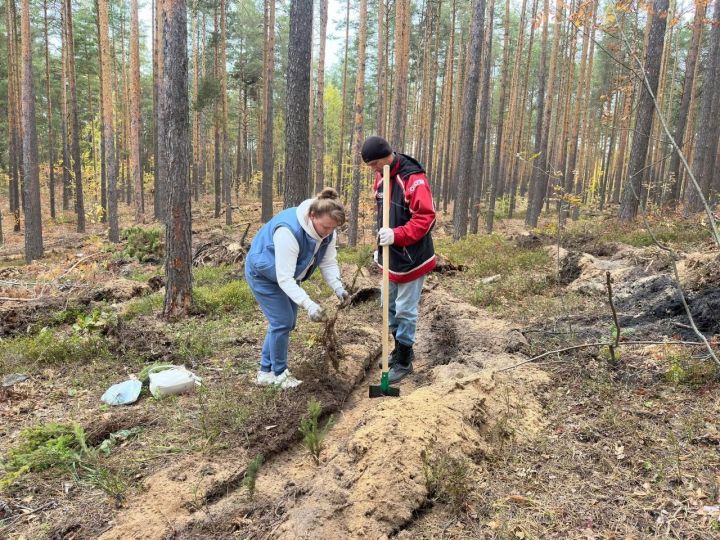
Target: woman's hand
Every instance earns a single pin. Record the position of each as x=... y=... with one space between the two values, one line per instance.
x=342 y=294
x=316 y=313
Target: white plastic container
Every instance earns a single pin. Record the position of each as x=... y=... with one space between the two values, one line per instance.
x=175 y=380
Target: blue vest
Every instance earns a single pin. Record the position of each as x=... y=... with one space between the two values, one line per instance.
x=261 y=257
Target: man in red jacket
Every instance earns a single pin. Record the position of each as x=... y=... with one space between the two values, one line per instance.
x=412 y=255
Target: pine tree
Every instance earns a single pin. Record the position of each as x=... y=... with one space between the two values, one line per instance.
x=31 y=173
x=358 y=131
x=175 y=117
x=108 y=126
x=469 y=104
x=297 y=125
x=645 y=112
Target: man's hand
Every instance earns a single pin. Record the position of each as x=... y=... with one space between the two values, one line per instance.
x=342 y=294
x=386 y=236
x=316 y=313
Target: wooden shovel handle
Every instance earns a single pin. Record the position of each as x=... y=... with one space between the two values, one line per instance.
x=386 y=271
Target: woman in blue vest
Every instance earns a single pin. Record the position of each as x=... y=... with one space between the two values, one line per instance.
x=285 y=252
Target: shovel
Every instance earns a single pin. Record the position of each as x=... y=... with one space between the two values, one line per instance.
x=384 y=388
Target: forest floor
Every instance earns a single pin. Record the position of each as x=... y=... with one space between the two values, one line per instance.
x=479 y=445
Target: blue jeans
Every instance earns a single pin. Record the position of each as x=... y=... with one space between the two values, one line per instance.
x=404 y=300
x=281 y=313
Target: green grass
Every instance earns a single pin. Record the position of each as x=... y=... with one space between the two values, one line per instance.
x=212 y=275
x=488 y=255
x=666 y=230
x=215 y=300
x=50 y=347
x=66 y=316
x=514 y=287
x=145 y=305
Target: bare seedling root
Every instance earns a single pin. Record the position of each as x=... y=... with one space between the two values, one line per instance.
x=331 y=345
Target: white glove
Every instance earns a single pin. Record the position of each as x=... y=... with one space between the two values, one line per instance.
x=376 y=257
x=316 y=313
x=342 y=294
x=386 y=236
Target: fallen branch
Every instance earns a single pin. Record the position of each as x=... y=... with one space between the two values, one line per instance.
x=614 y=345
x=597 y=344
x=14 y=519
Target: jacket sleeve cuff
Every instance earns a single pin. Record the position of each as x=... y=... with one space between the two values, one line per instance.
x=399 y=236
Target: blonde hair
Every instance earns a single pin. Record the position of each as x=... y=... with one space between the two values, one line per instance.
x=327 y=202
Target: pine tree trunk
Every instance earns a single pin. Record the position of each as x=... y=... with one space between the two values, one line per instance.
x=31 y=180
x=707 y=139
x=14 y=115
x=297 y=126
x=268 y=155
x=620 y=155
x=358 y=124
x=497 y=175
x=446 y=116
x=381 y=69
x=161 y=177
x=108 y=128
x=585 y=158
x=538 y=185
x=571 y=175
x=481 y=150
x=66 y=165
x=319 y=132
x=226 y=184
x=75 y=122
x=467 y=129
x=398 y=110
x=645 y=112
x=341 y=153
x=195 y=169
x=51 y=132
x=135 y=120
x=217 y=119
x=175 y=118
x=519 y=168
x=513 y=132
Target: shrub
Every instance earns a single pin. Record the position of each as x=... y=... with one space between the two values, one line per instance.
x=143 y=244
x=43 y=447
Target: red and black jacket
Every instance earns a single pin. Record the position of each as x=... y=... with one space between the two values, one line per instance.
x=412 y=217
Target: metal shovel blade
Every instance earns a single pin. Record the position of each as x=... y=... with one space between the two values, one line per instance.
x=384 y=388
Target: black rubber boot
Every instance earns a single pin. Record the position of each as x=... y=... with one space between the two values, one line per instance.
x=403 y=363
x=393 y=355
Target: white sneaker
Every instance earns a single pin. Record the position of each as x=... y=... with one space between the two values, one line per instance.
x=265 y=378
x=286 y=380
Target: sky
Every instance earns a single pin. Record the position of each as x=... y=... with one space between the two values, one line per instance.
x=333 y=48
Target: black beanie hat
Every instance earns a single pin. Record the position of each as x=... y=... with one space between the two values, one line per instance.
x=374 y=148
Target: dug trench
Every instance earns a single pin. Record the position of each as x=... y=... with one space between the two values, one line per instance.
x=371 y=480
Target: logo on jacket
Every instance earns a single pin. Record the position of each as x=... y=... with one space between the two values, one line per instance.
x=417 y=183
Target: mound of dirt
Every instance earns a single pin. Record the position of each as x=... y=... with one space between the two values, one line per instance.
x=16 y=319
x=119 y=290
x=645 y=290
x=219 y=249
